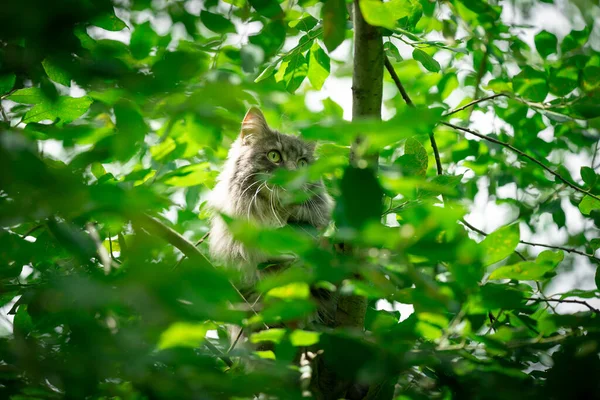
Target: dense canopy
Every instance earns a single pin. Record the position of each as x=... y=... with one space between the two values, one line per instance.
x=471 y=238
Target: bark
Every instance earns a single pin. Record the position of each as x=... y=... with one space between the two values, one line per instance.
x=367 y=88
x=367 y=77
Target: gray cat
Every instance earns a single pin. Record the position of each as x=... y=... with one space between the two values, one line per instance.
x=243 y=192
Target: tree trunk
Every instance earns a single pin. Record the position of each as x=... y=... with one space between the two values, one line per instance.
x=367 y=88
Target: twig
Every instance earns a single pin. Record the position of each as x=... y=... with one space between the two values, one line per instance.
x=184 y=245
x=547 y=300
x=35 y=228
x=567 y=249
x=392 y=72
x=406 y=97
x=110 y=250
x=474 y=102
x=218 y=353
x=198 y=243
x=522 y=154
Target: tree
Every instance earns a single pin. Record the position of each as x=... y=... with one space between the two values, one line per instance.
x=466 y=215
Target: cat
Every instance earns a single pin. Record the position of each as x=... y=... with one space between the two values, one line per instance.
x=242 y=192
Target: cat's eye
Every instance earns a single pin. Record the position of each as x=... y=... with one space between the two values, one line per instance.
x=274 y=156
x=302 y=163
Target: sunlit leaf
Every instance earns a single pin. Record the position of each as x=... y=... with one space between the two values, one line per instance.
x=500 y=244
x=318 y=66
x=183 y=334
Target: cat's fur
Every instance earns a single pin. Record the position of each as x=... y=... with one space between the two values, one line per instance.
x=241 y=191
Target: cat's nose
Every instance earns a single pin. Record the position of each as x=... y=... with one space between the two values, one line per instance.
x=291 y=165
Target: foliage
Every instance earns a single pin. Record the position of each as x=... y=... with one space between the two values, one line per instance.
x=116 y=120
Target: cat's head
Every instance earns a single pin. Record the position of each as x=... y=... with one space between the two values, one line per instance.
x=268 y=149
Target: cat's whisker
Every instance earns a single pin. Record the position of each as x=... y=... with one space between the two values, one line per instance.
x=254 y=198
x=248 y=188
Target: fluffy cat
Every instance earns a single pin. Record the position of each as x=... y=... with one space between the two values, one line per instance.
x=241 y=191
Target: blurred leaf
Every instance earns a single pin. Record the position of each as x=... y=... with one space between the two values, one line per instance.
x=589 y=176
x=267 y=8
x=531 y=84
x=7 y=82
x=334 y=14
x=143 y=39
x=545 y=43
x=295 y=290
x=300 y=338
x=216 y=23
x=360 y=201
x=270 y=335
x=183 y=334
x=109 y=21
x=377 y=13
x=588 y=204
x=190 y=175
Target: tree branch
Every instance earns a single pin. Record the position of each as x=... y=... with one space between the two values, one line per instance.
x=522 y=154
x=396 y=79
x=548 y=246
x=474 y=102
x=568 y=301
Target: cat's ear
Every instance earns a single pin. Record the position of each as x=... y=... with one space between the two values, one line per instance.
x=254 y=125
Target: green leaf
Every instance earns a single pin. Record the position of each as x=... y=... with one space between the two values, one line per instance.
x=545 y=43
x=28 y=96
x=62 y=111
x=387 y=14
x=268 y=8
x=588 y=204
x=589 y=176
x=294 y=290
x=270 y=38
x=531 y=84
x=575 y=39
x=426 y=60
x=300 y=338
x=334 y=15
x=564 y=80
x=414 y=162
x=318 y=66
x=190 y=175
x=216 y=22
x=292 y=71
x=143 y=39
x=414 y=147
x=360 y=201
x=109 y=21
x=305 y=24
x=56 y=73
x=545 y=263
x=551 y=258
x=500 y=244
x=392 y=51
x=267 y=72
x=7 y=82
x=526 y=271
x=183 y=334
x=274 y=335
